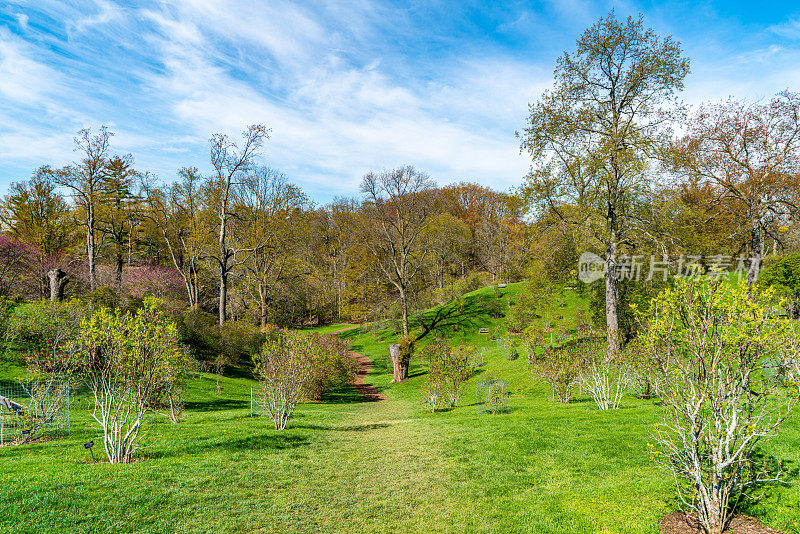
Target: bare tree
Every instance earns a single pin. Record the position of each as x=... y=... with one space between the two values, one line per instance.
x=751 y=154
x=271 y=209
x=230 y=162
x=399 y=206
x=84 y=179
x=175 y=213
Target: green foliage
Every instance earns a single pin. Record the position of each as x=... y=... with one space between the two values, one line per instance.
x=332 y=366
x=105 y=297
x=124 y=359
x=41 y=330
x=235 y=341
x=449 y=369
x=285 y=367
x=710 y=341
x=535 y=305
x=496 y=398
x=407 y=346
x=784 y=277
x=632 y=294
x=559 y=366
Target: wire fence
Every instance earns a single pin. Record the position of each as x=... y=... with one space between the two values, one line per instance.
x=31 y=410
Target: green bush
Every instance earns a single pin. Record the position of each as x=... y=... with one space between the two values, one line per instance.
x=784 y=277
x=332 y=366
x=449 y=368
x=41 y=329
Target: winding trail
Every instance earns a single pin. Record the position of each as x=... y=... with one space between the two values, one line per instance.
x=364 y=366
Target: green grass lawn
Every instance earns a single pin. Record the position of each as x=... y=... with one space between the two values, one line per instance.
x=350 y=466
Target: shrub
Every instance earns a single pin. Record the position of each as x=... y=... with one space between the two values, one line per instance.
x=711 y=341
x=605 y=374
x=644 y=379
x=784 y=277
x=449 y=369
x=332 y=366
x=124 y=359
x=42 y=329
x=496 y=398
x=534 y=303
x=285 y=367
x=560 y=367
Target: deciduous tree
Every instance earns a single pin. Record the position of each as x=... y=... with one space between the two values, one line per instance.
x=592 y=135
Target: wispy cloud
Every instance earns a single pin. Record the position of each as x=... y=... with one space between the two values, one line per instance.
x=789 y=29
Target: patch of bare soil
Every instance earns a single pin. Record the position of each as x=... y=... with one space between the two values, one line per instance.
x=680 y=523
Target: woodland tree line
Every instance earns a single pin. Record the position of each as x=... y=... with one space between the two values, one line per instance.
x=244 y=243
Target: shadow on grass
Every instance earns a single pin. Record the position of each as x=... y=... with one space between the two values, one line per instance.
x=348 y=395
x=216 y=405
x=274 y=441
x=348 y=428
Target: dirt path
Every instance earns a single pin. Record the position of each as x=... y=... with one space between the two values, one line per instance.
x=364 y=365
x=367 y=391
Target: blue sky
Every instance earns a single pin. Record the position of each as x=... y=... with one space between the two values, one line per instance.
x=346 y=86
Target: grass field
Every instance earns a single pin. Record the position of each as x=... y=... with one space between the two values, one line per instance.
x=345 y=465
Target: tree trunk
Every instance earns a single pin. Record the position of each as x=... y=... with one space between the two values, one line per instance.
x=394 y=354
x=612 y=297
x=404 y=305
x=90 y=253
x=223 y=295
x=755 y=253
x=58 y=279
x=120 y=262
x=262 y=294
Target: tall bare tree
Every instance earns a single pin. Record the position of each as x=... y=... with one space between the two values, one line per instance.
x=399 y=206
x=84 y=180
x=175 y=214
x=272 y=209
x=231 y=161
x=592 y=135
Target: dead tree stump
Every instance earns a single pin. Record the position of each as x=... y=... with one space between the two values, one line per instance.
x=58 y=279
x=397 y=371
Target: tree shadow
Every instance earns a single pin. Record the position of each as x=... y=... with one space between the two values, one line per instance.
x=472 y=312
x=777 y=473
x=353 y=394
x=347 y=428
x=216 y=405
x=276 y=441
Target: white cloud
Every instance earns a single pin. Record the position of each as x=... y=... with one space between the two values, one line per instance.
x=23 y=79
x=22 y=20
x=789 y=29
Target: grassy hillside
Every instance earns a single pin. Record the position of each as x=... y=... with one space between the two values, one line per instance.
x=354 y=466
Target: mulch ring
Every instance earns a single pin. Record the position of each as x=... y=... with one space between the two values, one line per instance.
x=680 y=523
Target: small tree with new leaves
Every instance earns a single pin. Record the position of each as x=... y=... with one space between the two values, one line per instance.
x=711 y=342
x=449 y=368
x=285 y=367
x=124 y=360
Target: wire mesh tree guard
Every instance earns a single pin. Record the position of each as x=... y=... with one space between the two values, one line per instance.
x=33 y=409
x=492 y=395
